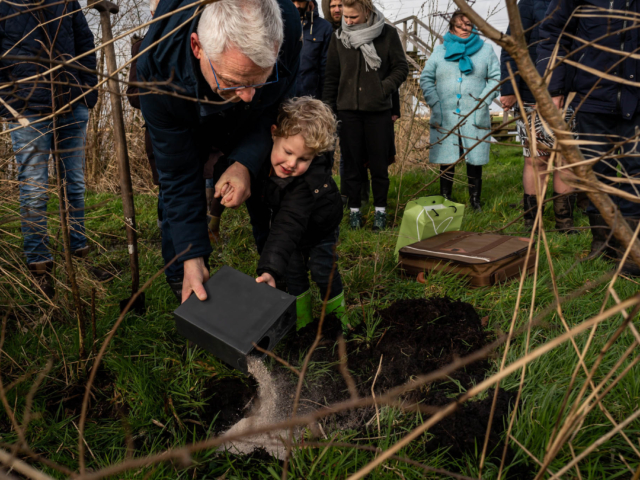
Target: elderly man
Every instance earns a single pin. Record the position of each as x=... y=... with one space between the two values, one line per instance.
x=230 y=65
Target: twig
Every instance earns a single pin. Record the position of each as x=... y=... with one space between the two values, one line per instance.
x=342 y=366
x=373 y=394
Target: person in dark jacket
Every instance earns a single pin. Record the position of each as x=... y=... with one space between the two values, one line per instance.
x=316 y=33
x=25 y=39
x=532 y=13
x=332 y=11
x=302 y=204
x=365 y=65
x=603 y=105
x=226 y=87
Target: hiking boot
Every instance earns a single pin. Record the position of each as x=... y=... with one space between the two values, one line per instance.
x=446 y=182
x=629 y=268
x=303 y=310
x=42 y=278
x=100 y=274
x=563 y=209
x=530 y=207
x=176 y=289
x=379 y=220
x=599 y=236
x=355 y=220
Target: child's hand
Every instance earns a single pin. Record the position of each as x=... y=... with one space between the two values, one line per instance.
x=267 y=278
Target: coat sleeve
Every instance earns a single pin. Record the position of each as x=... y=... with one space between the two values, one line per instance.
x=179 y=167
x=493 y=78
x=551 y=31
x=83 y=42
x=528 y=20
x=399 y=66
x=428 y=81
x=323 y=62
x=287 y=228
x=332 y=75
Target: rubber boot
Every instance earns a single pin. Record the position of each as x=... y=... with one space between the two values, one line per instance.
x=599 y=236
x=474 y=177
x=629 y=268
x=41 y=273
x=563 y=208
x=446 y=182
x=303 y=310
x=530 y=205
x=337 y=306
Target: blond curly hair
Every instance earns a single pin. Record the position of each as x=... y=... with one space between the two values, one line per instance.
x=310 y=118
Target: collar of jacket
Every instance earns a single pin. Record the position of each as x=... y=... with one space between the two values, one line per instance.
x=314 y=177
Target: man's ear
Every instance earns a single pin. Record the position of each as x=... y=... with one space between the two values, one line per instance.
x=195 y=45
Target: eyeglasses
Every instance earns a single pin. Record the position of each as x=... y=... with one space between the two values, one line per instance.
x=257 y=85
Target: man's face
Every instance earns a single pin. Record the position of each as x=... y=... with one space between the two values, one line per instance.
x=335 y=7
x=290 y=156
x=231 y=70
x=301 y=5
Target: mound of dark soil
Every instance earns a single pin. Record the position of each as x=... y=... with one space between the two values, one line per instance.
x=228 y=400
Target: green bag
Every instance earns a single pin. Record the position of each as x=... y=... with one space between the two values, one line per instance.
x=427 y=217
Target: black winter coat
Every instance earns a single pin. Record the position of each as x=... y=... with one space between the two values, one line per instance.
x=184 y=130
x=608 y=96
x=532 y=12
x=304 y=210
x=316 y=34
x=349 y=86
x=20 y=37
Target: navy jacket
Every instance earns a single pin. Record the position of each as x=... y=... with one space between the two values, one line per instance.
x=303 y=211
x=73 y=37
x=183 y=130
x=316 y=33
x=532 y=12
x=608 y=96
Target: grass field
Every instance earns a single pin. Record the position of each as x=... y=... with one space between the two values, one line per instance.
x=153 y=390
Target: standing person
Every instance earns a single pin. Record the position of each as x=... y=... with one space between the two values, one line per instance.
x=457 y=75
x=65 y=25
x=316 y=34
x=603 y=106
x=365 y=65
x=332 y=11
x=532 y=13
x=231 y=65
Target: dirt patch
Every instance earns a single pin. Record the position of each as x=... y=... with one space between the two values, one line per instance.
x=227 y=400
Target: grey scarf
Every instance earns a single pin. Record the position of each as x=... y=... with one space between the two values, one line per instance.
x=362 y=36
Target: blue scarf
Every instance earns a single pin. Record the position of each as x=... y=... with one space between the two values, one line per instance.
x=460 y=49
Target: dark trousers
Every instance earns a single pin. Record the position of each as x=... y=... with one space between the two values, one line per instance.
x=317 y=260
x=609 y=129
x=364 y=141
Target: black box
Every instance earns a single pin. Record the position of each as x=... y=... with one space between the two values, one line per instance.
x=237 y=313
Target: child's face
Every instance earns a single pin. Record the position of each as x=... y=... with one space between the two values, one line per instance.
x=290 y=157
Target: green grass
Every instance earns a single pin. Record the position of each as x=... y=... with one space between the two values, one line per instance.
x=156 y=378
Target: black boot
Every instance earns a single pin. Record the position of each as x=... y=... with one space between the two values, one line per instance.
x=630 y=268
x=563 y=208
x=530 y=203
x=474 y=177
x=41 y=273
x=599 y=235
x=446 y=182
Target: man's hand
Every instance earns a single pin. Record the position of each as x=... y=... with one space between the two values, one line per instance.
x=394 y=118
x=558 y=101
x=195 y=275
x=267 y=278
x=234 y=186
x=508 y=101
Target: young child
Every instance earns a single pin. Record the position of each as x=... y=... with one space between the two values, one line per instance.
x=305 y=207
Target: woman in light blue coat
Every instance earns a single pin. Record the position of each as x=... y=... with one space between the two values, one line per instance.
x=458 y=75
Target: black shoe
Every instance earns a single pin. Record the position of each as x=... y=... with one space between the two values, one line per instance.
x=474 y=177
x=446 y=182
x=379 y=221
x=563 y=208
x=176 y=289
x=41 y=274
x=600 y=232
x=530 y=203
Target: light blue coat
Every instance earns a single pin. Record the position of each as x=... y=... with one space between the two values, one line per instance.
x=452 y=95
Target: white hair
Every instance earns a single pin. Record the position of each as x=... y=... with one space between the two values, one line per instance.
x=255 y=27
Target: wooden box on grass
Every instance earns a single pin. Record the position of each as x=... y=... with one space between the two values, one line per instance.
x=237 y=313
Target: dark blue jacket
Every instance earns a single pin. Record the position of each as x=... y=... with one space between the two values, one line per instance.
x=73 y=37
x=607 y=96
x=313 y=59
x=183 y=130
x=532 y=12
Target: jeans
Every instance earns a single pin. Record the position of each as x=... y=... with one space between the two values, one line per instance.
x=32 y=146
x=591 y=126
x=317 y=259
